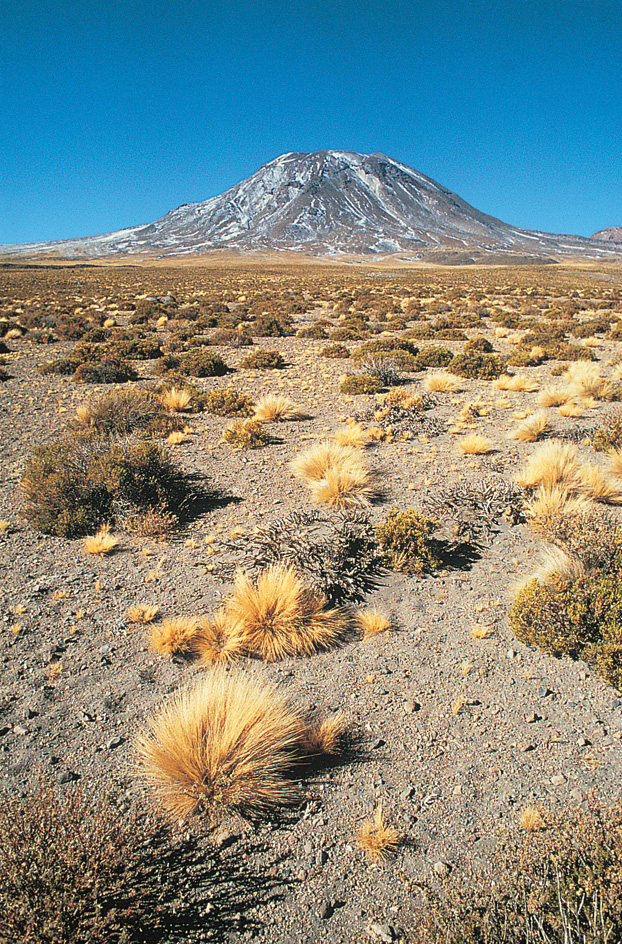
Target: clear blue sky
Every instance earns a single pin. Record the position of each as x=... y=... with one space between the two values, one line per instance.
x=113 y=112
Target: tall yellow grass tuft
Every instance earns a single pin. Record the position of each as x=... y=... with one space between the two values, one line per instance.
x=273 y=408
x=175 y=636
x=176 y=399
x=280 y=616
x=218 y=641
x=474 y=445
x=442 y=382
x=372 y=622
x=533 y=428
x=552 y=464
x=516 y=382
x=229 y=743
x=101 y=543
x=336 y=475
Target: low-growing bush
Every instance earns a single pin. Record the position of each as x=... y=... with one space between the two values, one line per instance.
x=202 y=363
x=335 y=350
x=433 y=356
x=264 y=360
x=559 y=883
x=227 y=402
x=609 y=434
x=74 y=868
x=75 y=485
x=231 y=337
x=316 y=332
x=126 y=411
x=136 y=349
x=108 y=370
x=477 y=366
x=407 y=544
x=359 y=384
x=478 y=344
x=247 y=434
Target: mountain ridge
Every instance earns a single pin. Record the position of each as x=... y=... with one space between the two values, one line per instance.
x=326 y=203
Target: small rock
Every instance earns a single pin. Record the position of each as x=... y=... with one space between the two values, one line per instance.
x=308 y=848
x=532 y=718
x=321 y=858
x=67 y=776
x=441 y=868
x=457 y=790
x=19 y=729
x=582 y=742
x=543 y=691
x=384 y=932
x=114 y=742
x=558 y=780
x=616 y=703
x=511 y=653
x=577 y=795
x=325 y=910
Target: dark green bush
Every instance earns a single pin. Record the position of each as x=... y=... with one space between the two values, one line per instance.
x=557 y=884
x=127 y=411
x=165 y=364
x=355 y=384
x=65 y=366
x=227 y=402
x=479 y=344
x=478 y=366
x=136 y=349
x=524 y=358
x=201 y=363
x=271 y=326
x=609 y=434
x=384 y=346
x=108 y=370
x=316 y=332
x=231 y=337
x=264 y=360
x=406 y=541
x=433 y=356
x=75 y=485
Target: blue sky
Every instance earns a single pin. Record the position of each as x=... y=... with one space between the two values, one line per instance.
x=113 y=113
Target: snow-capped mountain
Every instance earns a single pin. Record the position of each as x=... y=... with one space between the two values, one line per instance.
x=330 y=202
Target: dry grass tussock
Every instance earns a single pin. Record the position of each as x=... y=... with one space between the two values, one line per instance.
x=516 y=382
x=326 y=737
x=176 y=399
x=442 y=382
x=615 y=457
x=175 y=636
x=101 y=543
x=273 y=408
x=379 y=841
x=229 y=743
x=551 y=503
x=571 y=409
x=142 y=613
x=555 y=396
x=599 y=486
x=531 y=819
x=280 y=616
x=553 y=463
x=533 y=428
x=372 y=622
x=353 y=434
x=585 y=378
x=219 y=641
x=336 y=475
x=474 y=445
x=556 y=562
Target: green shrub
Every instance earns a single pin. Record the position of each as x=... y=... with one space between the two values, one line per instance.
x=227 y=402
x=478 y=366
x=557 y=884
x=523 y=358
x=357 y=384
x=108 y=370
x=165 y=364
x=136 y=349
x=609 y=434
x=350 y=333
x=64 y=366
x=478 y=344
x=264 y=360
x=271 y=326
x=581 y=619
x=335 y=350
x=231 y=337
x=384 y=346
x=202 y=363
x=433 y=356
x=407 y=544
x=316 y=332
x=247 y=434
x=75 y=485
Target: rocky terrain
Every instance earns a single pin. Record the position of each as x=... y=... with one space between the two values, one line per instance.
x=454 y=733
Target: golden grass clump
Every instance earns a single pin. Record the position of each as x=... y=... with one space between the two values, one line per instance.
x=614 y=455
x=571 y=409
x=379 y=841
x=218 y=641
x=533 y=428
x=227 y=744
x=142 y=613
x=442 y=382
x=399 y=396
x=372 y=622
x=336 y=475
x=554 y=502
x=481 y=631
x=176 y=399
x=5 y=526
x=599 y=486
x=556 y=562
x=555 y=396
x=354 y=435
x=474 y=445
x=175 y=636
x=553 y=463
x=280 y=616
x=531 y=819
x=273 y=408
x=516 y=382
x=176 y=438
x=101 y=543
x=585 y=377
x=326 y=737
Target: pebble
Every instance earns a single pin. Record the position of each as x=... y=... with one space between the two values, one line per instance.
x=440 y=868
x=325 y=910
x=321 y=857
x=384 y=932
x=67 y=776
x=532 y=718
x=558 y=780
x=543 y=691
x=19 y=729
x=114 y=742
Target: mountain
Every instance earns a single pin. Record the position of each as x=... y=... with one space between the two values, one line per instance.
x=611 y=234
x=329 y=203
